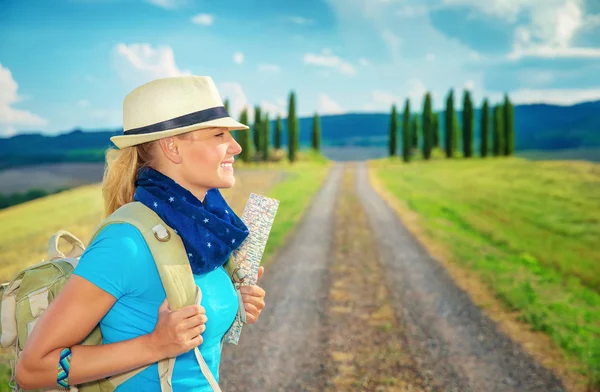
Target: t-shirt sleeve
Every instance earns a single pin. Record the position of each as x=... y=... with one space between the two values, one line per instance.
x=117 y=261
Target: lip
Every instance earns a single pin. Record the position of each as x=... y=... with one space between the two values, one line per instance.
x=229 y=161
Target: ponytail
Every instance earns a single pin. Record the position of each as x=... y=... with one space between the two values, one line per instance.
x=120 y=174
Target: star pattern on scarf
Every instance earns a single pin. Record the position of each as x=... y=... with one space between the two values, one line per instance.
x=208 y=221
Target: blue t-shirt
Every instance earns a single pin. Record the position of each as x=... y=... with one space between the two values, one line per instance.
x=120 y=263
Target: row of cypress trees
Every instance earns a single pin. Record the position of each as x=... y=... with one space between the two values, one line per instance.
x=424 y=129
x=256 y=143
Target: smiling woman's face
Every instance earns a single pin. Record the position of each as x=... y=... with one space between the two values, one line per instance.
x=202 y=160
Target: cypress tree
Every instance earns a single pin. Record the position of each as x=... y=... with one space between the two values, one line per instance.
x=498 y=130
x=393 y=136
x=406 y=139
x=468 y=125
x=292 y=126
x=484 y=128
x=278 y=133
x=244 y=137
x=316 y=133
x=450 y=125
x=415 y=131
x=455 y=133
x=226 y=105
x=257 y=127
x=509 y=127
x=265 y=139
x=427 y=126
x=436 y=130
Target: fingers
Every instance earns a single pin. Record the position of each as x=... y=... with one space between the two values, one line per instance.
x=196 y=341
x=261 y=271
x=194 y=321
x=252 y=313
x=255 y=291
x=164 y=306
x=257 y=302
x=190 y=311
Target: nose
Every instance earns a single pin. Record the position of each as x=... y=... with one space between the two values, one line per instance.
x=234 y=146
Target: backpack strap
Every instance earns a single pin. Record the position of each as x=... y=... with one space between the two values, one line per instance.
x=175 y=274
x=167 y=250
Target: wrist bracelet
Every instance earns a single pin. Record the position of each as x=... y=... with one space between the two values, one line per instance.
x=64 y=366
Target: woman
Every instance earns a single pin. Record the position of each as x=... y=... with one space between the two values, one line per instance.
x=175 y=152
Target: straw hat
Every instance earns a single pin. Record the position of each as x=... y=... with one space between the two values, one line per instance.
x=172 y=106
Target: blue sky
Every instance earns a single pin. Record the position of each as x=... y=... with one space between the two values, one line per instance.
x=70 y=63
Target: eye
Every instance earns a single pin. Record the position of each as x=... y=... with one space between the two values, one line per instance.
x=220 y=134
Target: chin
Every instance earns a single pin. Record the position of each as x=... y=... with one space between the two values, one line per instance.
x=227 y=183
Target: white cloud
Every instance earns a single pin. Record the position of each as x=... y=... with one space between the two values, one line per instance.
x=140 y=63
x=167 y=4
x=469 y=85
x=83 y=103
x=299 y=20
x=550 y=27
x=416 y=92
x=203 y=19
x=554 y=52
x=234 y=92
x=430 y=57
x=8 y=131
x=328 y=59
x=268 y=67
x=412 y=10
x=328 y=105
x=364 y=62
x=393 y=43
x=385 y=98
x=10 y=117
x=274 y=109
x=551 y=96
x=238 y=57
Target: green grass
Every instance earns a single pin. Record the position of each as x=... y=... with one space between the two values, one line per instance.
x=530 y=230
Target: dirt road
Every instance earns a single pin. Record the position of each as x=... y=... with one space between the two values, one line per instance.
x=355 y=303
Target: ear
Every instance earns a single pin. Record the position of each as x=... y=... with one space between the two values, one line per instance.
x=169 y=148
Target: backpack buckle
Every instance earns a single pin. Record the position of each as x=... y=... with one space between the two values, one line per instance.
x=161 y=233
x=238 y=275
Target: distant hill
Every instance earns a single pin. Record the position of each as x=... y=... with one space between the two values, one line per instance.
x=538 y=127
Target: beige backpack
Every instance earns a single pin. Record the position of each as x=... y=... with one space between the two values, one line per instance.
x=29 y=293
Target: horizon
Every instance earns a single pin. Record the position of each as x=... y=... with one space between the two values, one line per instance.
x=307 y=117
x=339 y=56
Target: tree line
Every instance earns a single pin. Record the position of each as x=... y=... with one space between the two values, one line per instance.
x=422 y=130
x=256 y=142
x=13 y=199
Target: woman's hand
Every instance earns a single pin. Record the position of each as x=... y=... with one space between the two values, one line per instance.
x=177 y=332
x=254 y=299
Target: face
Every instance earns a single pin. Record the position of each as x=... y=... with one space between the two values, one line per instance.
x=205 y=160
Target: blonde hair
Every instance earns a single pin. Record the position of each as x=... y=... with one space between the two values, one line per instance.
x=118 y=185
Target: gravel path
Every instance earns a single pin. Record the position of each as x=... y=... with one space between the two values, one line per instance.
x=457 y=346
x=284 y=350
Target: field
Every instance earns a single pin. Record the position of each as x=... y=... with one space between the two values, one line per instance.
x=579 y=154
x=49 y=177
x=528 y=230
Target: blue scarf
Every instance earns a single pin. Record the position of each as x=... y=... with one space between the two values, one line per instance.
x=210 y=230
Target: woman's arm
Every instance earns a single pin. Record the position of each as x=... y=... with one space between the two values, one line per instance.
x=72 y=316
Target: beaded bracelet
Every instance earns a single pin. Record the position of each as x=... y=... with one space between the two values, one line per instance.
x=64 y=366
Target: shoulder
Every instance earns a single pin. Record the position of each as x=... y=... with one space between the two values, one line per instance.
x=117 y=243
x=122 y=237
x=117 y=259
